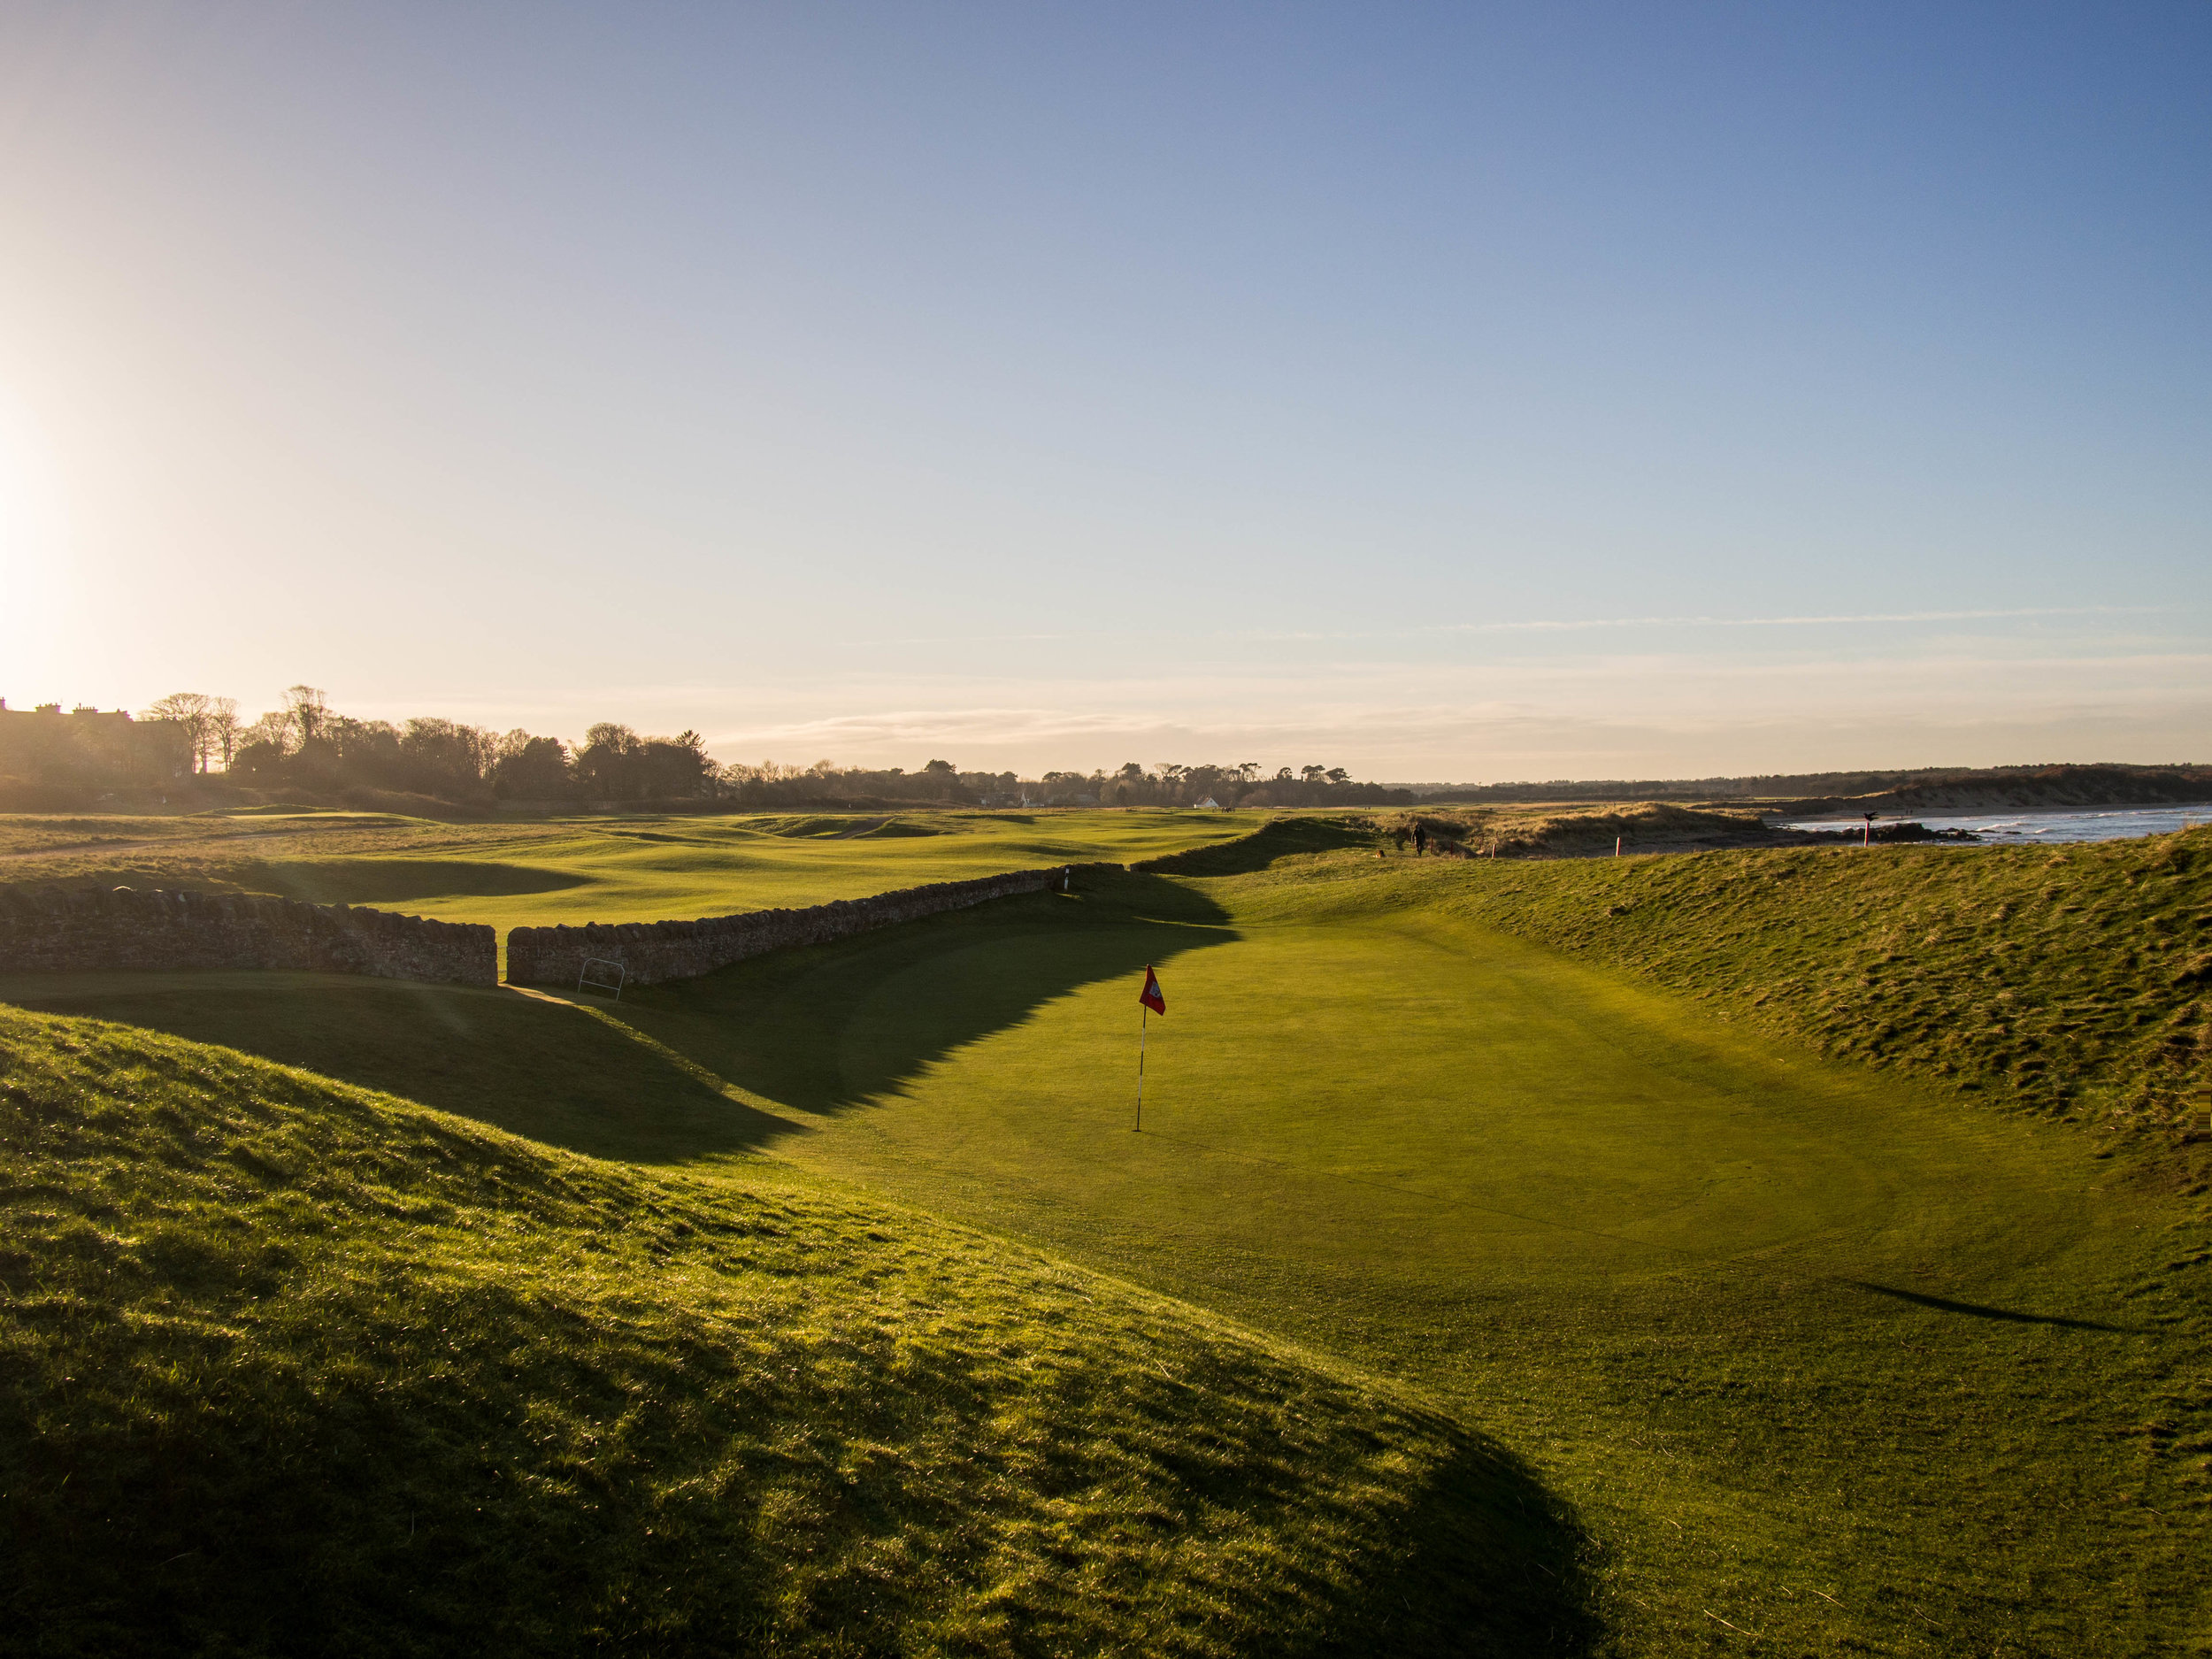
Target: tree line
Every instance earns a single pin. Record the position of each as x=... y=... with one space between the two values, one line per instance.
x=1166 y=783
x=306 y=743
x=307 y=747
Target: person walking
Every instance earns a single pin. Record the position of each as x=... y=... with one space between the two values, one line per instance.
x=1420 y=839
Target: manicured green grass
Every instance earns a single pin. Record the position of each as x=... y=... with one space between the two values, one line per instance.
x=1838 y=1356
x=592 y=869
x=286 y=1367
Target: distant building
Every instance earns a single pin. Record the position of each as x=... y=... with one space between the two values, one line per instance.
x=87 y=747
x=1210 y=805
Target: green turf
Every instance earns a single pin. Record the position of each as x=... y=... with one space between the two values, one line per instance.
x=2067 y=980
x=1838 y=1356
x=594 y=869
x=1783 y=1331
x=287 y=1368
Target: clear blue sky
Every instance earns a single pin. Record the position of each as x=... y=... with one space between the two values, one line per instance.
x=1447 y=392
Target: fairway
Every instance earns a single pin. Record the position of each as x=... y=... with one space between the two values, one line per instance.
x=1816 y=1353
x=594 y=869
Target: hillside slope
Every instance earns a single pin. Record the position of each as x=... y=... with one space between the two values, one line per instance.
x=2070 y=980
x=290 y=1367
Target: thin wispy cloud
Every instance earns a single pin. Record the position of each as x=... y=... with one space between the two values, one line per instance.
x=1539 y=625
x=1563 y=626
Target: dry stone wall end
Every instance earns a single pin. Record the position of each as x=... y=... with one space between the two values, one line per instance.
x=652 y=953
x=59 y=930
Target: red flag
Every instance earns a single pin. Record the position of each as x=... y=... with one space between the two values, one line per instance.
x=1150 y=995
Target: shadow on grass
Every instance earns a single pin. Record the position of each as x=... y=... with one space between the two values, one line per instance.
x=1285 y=837
x=377 y=881
x=1489 y=1562
x=532 y=1066
x=1975 y=1309
x=826 y=1029
x=646 y=1079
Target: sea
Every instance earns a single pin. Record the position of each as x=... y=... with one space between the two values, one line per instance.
x=2098 y=824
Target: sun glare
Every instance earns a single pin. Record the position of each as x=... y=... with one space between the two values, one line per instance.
x=20 y=504
x=32 y=565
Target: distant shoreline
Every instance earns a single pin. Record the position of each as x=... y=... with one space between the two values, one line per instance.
x=2009 y=810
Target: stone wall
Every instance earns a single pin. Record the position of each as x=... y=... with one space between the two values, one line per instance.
x=652 y=952
x=61 y=929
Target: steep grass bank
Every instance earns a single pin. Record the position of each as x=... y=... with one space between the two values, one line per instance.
x=2075 y=981
x=286 y=1367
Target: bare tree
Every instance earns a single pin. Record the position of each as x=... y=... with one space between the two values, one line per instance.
x=190 y=711
x=273 y=729
x=223 y=726
x=308 y=708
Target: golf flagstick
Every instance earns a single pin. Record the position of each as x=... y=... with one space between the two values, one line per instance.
x=1152 y=1002
x=1143 y=1014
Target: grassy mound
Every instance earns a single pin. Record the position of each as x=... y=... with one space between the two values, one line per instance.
x=287 y=1366
x=1571 y=830
x=2072 y=980
x=1655 y=824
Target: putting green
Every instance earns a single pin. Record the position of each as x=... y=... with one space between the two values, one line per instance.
x=1449 y=1106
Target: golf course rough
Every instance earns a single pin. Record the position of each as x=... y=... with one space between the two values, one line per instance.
x=1771 y=1349
x=2065 y=980
x=287 y=1366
